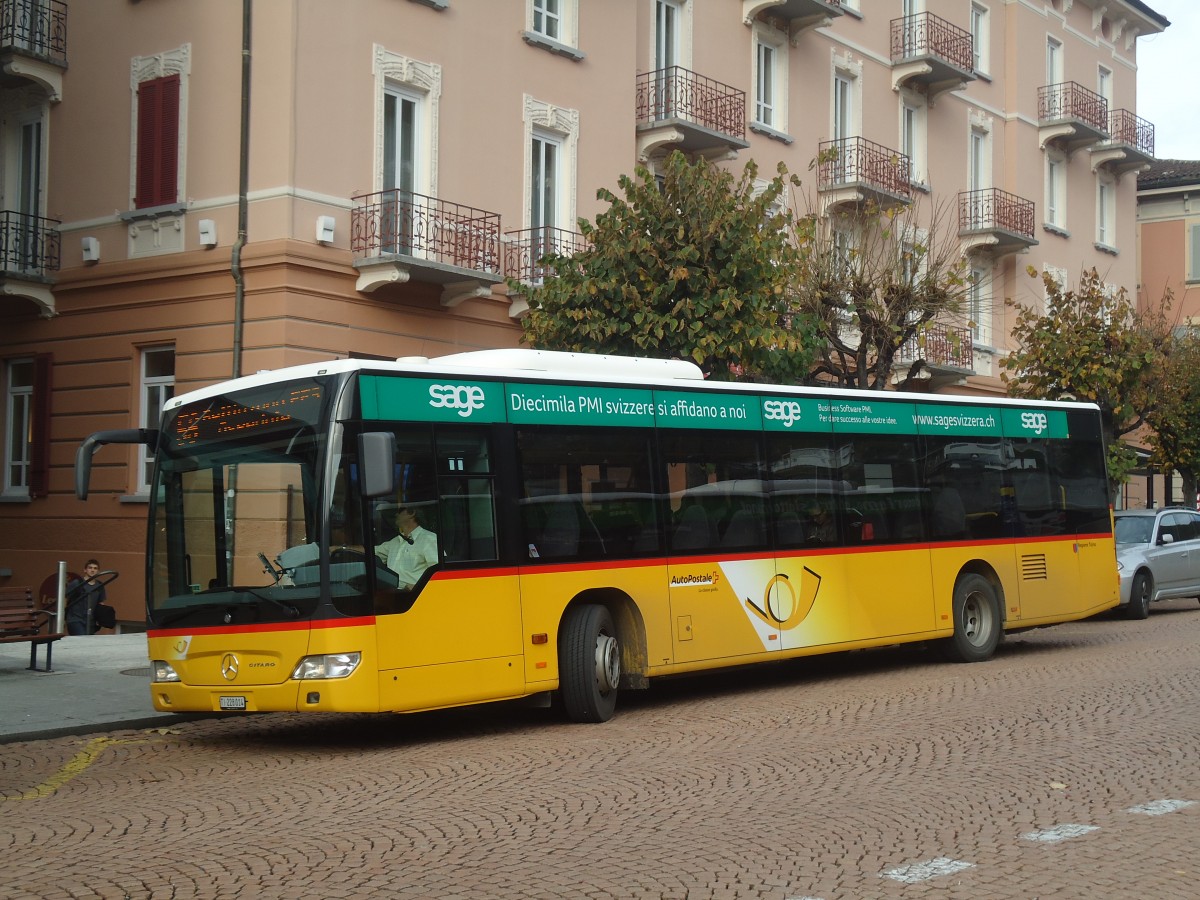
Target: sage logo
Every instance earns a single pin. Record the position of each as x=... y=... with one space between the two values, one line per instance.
x=785 y=411
x=466 y=398
x=1035 y=422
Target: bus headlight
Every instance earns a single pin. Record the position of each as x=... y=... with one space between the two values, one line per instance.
x=329 y=665
x=161 y=671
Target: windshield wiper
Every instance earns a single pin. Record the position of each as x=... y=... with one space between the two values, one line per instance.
x=181 y=614
x=292 y=611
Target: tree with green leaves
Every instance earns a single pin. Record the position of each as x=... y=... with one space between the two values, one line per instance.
x=691 y=263
x=1175 y=418
x=1091 y=344
x=877 y=280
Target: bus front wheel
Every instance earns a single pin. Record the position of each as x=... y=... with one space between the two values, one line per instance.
x=589 y=664
x=976 y=620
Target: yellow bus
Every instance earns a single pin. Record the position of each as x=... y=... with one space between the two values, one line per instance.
x=493 y=525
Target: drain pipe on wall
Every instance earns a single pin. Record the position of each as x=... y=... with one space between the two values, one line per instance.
x=239 y=278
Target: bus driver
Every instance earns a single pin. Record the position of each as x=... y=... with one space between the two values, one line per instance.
x=411 y=551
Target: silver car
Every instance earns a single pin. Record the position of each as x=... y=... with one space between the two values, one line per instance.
x=1158 y=556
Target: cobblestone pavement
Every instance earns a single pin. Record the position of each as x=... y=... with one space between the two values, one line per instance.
x=1067 y=767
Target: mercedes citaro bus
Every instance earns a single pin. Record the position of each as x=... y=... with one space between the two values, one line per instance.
x=599 y=522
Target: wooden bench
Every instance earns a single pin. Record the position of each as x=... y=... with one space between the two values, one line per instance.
x=21 y=620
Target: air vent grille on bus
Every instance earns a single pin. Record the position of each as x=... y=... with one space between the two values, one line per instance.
x=1033 y=567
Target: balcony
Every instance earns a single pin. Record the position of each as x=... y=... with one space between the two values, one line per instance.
x=995 y=221
x=931 y=54
x=1130 y=147
x=800 y=15
x=523 y=253
x=1070 y=116
x=948 y=352
x=853 y=171
x=685 y=111
x=33 y=44
x=29 y=252
x=398 y=236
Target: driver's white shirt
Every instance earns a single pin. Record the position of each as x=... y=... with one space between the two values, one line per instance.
x=409 y=561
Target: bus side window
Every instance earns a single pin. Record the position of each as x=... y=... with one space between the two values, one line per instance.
x=466 y=495
x=717 y=490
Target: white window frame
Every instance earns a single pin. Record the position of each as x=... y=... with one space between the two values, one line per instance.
x=981 y=37
x=1106 y=212
x=914 y=136
x=1054 y=60
x=680 y=52
x=1193 y=248
x=1056 y=191
x=564 y=14
x=979 y=305
x=560 y=125
x=846 y=97
x=1104 y=84
x=775 y=103
x=396 y=73
x=979 y=158
x=18 y=420
x=153 y=393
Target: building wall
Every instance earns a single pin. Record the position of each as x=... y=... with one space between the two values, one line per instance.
x=315 y=142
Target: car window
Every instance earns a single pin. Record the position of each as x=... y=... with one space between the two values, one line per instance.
x=1134 y=529
x=1177 y=525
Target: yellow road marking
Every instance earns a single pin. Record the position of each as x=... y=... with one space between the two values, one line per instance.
x=76 y=766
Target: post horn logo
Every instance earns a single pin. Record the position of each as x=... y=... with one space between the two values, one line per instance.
x=229 y=666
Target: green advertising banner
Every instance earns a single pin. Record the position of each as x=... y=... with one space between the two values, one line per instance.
x=1035 y=423
x=450 y=400
x=570 y=404
x=431 y=400
x=734 y=412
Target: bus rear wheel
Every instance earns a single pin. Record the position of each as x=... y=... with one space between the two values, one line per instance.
x=589 y=664
x=976 y=620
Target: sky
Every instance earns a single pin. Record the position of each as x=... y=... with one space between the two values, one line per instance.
x=1169 y=80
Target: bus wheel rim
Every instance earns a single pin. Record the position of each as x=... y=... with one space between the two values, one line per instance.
x=608 y=663
x=975 y=615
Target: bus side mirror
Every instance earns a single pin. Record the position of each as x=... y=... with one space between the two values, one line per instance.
x=92 y=443
x=377 y=456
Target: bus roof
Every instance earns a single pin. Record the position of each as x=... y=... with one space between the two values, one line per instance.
x=553 y=365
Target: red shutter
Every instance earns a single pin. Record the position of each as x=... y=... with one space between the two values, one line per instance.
x=157 y=142
x=39 y=451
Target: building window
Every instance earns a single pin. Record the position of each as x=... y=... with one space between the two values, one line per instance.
x=552 y=136
x=671 y=36
x=408 y=94
x=764 y=84
x=1104 y=84
x=1106 y=191
x=979 y=164
x=1054 y=61
x=158 y=386
x=1194 y=248
x=547 y=18
x=553 y=25
x=770 y=78
x=158 y=142
x=979 y=306
x=1056 y=191
x=913 y=136
x=980 y=36
x=27 y=427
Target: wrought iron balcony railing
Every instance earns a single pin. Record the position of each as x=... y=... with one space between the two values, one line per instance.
x=924 y=34
x=35 y=28
x=402 y=223
x=991 y=209
x=941 y=346
x=1071 y=100
x=525 y=248
x=856 y=160
x=29 y=245
x=1126 y=128
x=676 y=93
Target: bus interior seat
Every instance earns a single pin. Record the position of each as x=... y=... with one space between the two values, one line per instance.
x=694 y=530
x=561 y=533
x=790 y=528
x=744 y=530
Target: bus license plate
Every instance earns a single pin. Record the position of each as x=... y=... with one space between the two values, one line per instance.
x=232 y=702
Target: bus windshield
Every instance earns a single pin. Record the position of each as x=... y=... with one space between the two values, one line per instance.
x=238 y=509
